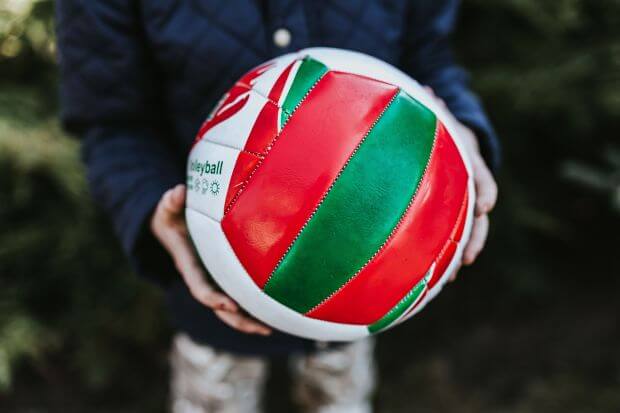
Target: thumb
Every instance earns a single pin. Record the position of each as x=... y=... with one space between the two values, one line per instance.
x=174 y=200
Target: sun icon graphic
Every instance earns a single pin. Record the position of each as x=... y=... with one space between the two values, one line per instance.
x=215 y=187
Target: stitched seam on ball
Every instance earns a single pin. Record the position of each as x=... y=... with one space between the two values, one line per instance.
x=406 y=296
x=394 y=230
x=267 y=98
x=259 y=93
x=359 y=144
x=439 y=256
x=250 y=90
x=269 y=147
x=464 y=217
x=257 y=154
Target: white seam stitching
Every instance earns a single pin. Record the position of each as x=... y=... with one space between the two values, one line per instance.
x=269 y=147
x=359 y=144
x=393 y=232
x=392 y=310
x=250 y=90
x=250 y=87
x=433 y=264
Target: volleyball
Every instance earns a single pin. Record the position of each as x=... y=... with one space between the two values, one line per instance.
x=329 y=194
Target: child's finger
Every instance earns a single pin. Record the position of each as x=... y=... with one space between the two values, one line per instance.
x=242 y=323
x=186 y=263
x=486 y=188
x=454 y=274
x=178 y=197
x=478 y=238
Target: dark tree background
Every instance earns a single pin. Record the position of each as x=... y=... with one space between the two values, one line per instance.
x=532 y=327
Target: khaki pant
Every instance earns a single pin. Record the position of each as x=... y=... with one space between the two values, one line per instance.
x=331 y=381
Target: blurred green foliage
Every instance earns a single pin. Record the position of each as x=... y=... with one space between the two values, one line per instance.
x=69 y=307
x=532 y=327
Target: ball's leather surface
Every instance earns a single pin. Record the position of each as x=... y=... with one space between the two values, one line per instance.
x=329 y=194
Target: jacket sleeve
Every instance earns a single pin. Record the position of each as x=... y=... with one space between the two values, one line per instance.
x=428 y=58
x=110 y=100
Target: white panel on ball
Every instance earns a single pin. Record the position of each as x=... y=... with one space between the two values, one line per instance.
x=263 y=83
x=234 y=132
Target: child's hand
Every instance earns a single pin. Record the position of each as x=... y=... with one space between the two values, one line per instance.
x=486 y=191
x=169 y=227
x=486 y=196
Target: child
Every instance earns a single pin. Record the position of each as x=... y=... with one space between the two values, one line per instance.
x=138 y=79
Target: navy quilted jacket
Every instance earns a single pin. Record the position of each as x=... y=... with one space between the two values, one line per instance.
x=138 y=78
